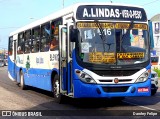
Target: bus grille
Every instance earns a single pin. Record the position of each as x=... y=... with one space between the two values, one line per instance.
x=115 y=72
x=115 y=89
x=111 y=80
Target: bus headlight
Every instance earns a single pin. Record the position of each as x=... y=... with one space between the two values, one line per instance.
x=85 y=77
x=144 y=76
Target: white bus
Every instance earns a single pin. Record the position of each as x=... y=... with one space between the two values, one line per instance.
x=88 y=50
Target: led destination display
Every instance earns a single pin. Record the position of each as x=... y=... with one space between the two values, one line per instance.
x=108 y=12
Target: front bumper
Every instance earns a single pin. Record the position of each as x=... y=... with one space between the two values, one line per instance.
x=82 y=90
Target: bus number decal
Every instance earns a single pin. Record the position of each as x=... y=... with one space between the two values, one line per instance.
x=54 y=57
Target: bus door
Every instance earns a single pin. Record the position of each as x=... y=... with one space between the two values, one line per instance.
x=64 y=60
x=69 y=60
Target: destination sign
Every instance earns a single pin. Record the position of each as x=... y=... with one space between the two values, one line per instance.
x=130 y=55
x=140 y=26
x=111 y=25
x=100 y=57
x=94 y=25
x=135 y=26
x=109 y=12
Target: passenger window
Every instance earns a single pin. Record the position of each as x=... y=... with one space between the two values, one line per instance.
x=10 y=46
x=35 y=39
x=54 y=36
x=20 y=48
x=27 y=47
x=45 y=37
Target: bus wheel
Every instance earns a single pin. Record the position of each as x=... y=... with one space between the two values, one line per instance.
x=58 y=97
x=153 y=92
x=22 y=84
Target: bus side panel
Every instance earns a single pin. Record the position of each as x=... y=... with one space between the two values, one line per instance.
x=14 y=74
x=11 y=66
x=40 y=78
x=37 y=68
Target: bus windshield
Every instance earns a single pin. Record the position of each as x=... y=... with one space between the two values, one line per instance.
x=113 y=43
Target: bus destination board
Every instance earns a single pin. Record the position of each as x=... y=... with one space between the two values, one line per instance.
x=110 y=12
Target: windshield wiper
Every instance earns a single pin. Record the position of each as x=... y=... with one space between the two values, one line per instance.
x=101 y=30
x=102 y=33
x=103 y=37
x=124 y=36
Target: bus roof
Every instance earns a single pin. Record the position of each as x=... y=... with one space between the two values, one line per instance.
x=63 y=12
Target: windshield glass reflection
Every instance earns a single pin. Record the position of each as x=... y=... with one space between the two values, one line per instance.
x=108 y=43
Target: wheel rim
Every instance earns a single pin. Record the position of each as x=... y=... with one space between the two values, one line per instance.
x=56 y=89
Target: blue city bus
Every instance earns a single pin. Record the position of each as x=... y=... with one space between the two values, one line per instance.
x=87 y=50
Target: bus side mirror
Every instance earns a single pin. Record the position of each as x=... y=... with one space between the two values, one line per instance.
x=74 y=33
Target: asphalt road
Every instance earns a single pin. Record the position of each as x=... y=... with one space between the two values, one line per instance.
x=13 y=98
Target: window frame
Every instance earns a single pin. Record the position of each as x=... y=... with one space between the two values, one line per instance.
x=54 y=42
x=44 y=47
x=28 y=41
x=36 y=38
x=21 y=44
x=10 y=46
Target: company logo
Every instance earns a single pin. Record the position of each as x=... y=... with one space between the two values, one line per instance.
x=6 y=113
x=116 y=80
x=21 y=113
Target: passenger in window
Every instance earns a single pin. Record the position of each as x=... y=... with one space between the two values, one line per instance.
x=37 y=46
x=46 y=47
x=127 y=45
x=34 y=49
x=43 y=43
x=54 y=44
x=19 y=50
x=27 y=49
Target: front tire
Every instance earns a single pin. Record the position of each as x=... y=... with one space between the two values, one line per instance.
x=58 y=97
x=153 y=92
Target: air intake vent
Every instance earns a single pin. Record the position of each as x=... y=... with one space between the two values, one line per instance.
x=115 y=89
x=115 y=72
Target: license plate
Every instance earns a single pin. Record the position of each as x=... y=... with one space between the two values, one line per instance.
x=143 y=89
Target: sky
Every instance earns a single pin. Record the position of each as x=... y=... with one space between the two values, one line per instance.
x=17 y=13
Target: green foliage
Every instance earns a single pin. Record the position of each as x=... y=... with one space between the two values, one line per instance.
x=158 y=72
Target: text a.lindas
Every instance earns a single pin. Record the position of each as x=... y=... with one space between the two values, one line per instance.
x=111 y=13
